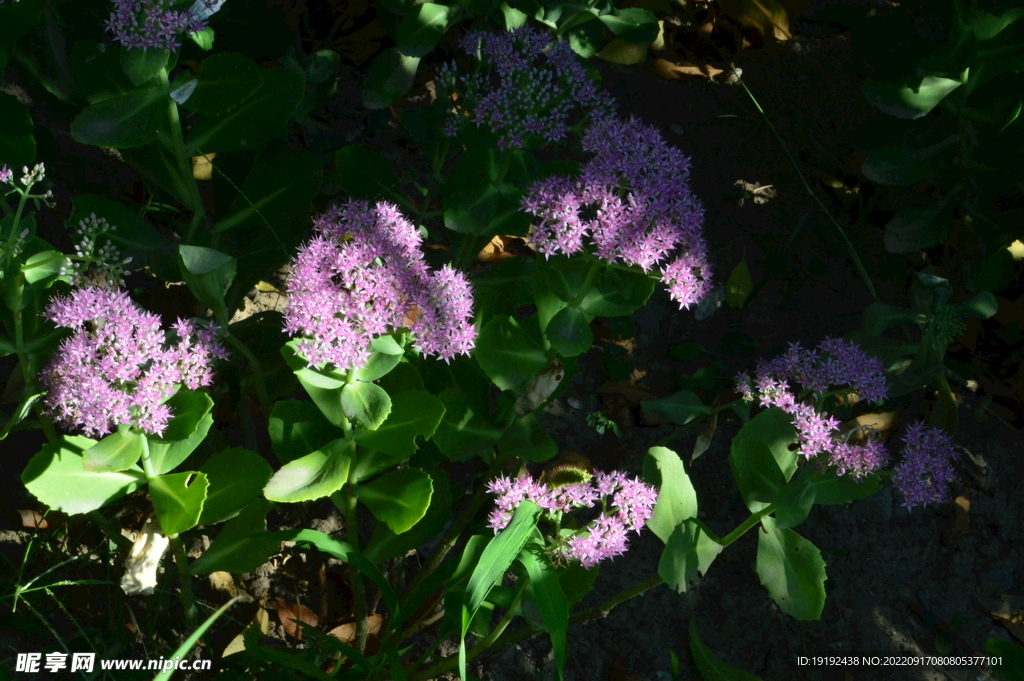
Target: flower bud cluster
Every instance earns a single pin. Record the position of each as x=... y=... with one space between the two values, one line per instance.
x=632 y=203
x=153 y=24
x=626 y=505
x=363 y=275
x=97 y=261
x=119 y=367
x=926 y=473
x=835 y=363
x=528 y=89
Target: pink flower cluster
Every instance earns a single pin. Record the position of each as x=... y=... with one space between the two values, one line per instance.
x=528 y=89
x=926 y=473
x=835 y=363
x=153 y=24
x=363 y=275
x=630 y=501
x=632 y=202
x=119 y=366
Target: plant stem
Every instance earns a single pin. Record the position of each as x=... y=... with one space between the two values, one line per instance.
x=188 y=601
x=814 y=195
x=754 y=519
x=355 y=577
x=254 y=364
x=184 y=163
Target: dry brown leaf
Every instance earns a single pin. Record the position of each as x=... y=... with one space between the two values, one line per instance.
x=881 y=422
x=960 y=524
x=288 y=613
x=1012 y=622
x=540 y=389
x=764 y=16
x=670 y=70
x=223 y=581
x=501 y=248
x=346 y=633
x=703 y=442
x=237 y=644
x=32 y=520
x=202 y=166
x=621 y=52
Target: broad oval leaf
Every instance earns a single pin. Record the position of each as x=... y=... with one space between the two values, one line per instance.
x=422 y=28
x=57 y=477
x=791 y=569
x=414 y=413
x=677 y=500
x=129 y=120
x=709 y=665
x=904 y=101
x=507 y=354
x=681 y=407
x=688 y=554
x=399 y=498
x=314 y=476
x=178 y=500
x=365 y=403
x=236 y=477
x=185 y=431
x=243 y=544
x=225 y=81
x=17 y=143
x=391 y=75
x=116 y=452
x=569 y=332
x=298 y=428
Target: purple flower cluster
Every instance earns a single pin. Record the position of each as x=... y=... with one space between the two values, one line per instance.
x=146 y=24
x=6 y=174
x=632 y=202
x=926 y=473
x=528 y=89
x=630 y=501
x=363 y=275
x=835 y=363
x=119 y=366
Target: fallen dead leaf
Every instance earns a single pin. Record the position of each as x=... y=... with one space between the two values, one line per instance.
x=670 y=70
x=1013 y=622
x=540 y=389
x=288 y=613
x=703 y=442
x=881 y=422
x=202 y=166
x=502 y=248
x=223 y=581
x=960 y=524
x=32 y=520
x=237 y=644
x=346 y=633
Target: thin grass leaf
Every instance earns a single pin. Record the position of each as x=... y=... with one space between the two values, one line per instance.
x=191 y=641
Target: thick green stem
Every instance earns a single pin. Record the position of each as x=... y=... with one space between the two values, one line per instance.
x=588 y=283
x=355 y=576
x=188 y=601
x=814 y=195
x=257 y=371
x=184 y=162
x=754 y=519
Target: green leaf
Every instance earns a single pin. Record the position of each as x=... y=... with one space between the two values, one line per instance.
x=900 y=167
x=547 y=593
x=116 y=452
x=688 y=554
x=208 y=274
x=242 y=546
x=226 y=80
x=494 y=562
x=254 y=121
x=42 y=266
x=129 y=120
x=633 y=25
x=178 y=500
x=414 y=413
x=385 y=544
x=236 y=477
x=791 y=569
x=838 y=490
x=569 y=332
x=879 y=317
x=314 y=476
x=463 y=431
x=391 y=75
x=142 y=65
x=915 y=229
x=57 y=477
x=1011 y=659
x=526 y=439
x=483 y=208
x=757 y=474
x=617 y=293
x=681 y=407
x=982 y=306
x=378 y=366
x=422 y=28
x=709 y=665
x=507 y=354
x=97 y=70
x=365 y=403
x=185 y=431
x=796 y=499
x=298 y=428
x=203 y=39
x=774 y=427
x=322 y=65
x=997 y=271
x=908 y=102
x=324 y=389
x=364 y=173
x=17 y=144
x=399 y=498
x=739 y=285
x=23 y=410
x=677 y=500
